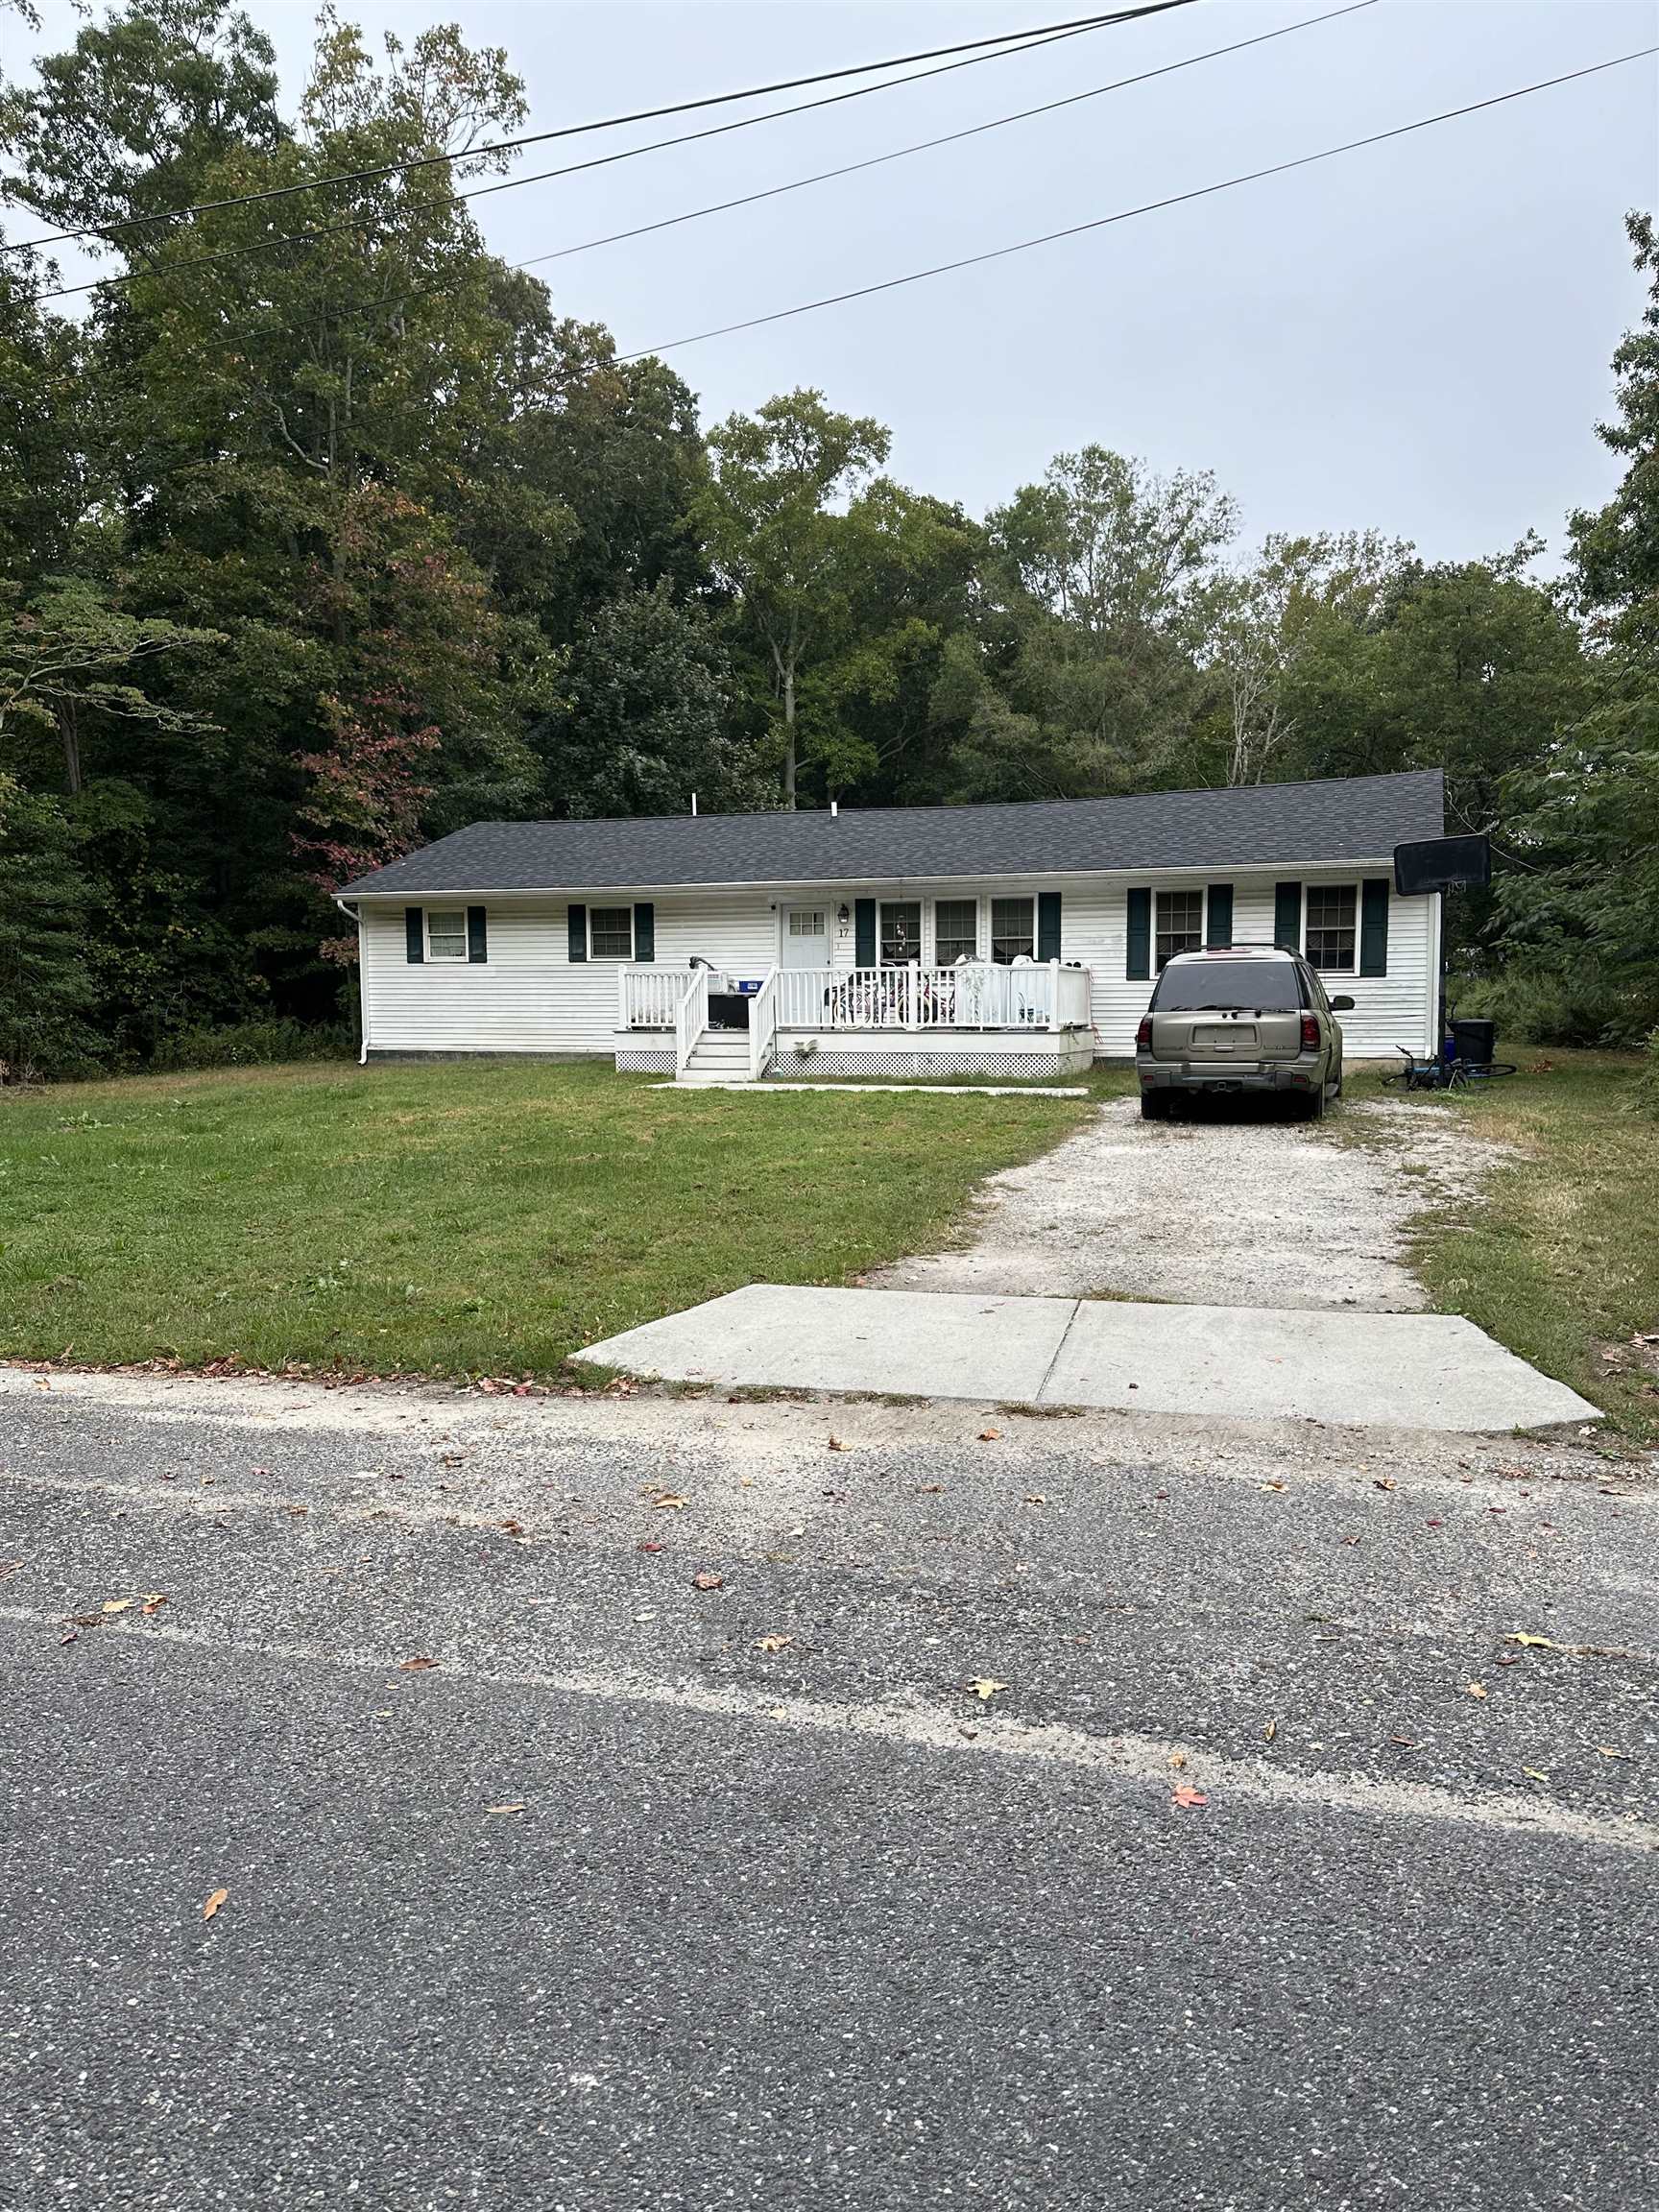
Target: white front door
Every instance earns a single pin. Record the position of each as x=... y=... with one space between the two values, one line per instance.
x=806 y=937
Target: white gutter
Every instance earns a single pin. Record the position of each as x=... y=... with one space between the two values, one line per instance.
x=352 y=914
x=1381 y=863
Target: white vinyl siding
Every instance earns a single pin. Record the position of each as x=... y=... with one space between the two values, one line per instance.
x=529 y=997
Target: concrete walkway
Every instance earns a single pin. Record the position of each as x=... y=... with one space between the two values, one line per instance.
x=1232 y=1363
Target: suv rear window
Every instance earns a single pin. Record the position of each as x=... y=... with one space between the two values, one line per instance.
x=1271 y=985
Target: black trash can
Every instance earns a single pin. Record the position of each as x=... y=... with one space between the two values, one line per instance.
x=727 y=1010
x=1477 y=1042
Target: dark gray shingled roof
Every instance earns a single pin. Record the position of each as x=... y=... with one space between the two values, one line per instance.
x=1346 y=818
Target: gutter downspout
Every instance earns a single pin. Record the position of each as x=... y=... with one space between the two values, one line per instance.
x=353 y=914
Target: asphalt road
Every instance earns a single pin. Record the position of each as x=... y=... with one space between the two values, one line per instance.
x=816 y=1925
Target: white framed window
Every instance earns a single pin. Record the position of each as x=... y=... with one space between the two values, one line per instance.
x=611 y=933
x=1331 y=928
x=445 y=933
x=900 y=932
x=805 y=921
x=955 y=931
x=1013 y=929
x=1180 y=925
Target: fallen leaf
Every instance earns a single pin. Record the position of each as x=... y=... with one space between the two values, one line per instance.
x=989 y=1435
x=1275 y=1485
x=1533 y=1643
x=154 y=1600
x=118 y=1604
x=1270 y=1731
x=1036 y=1497
x=213 y=1903
x=1607 y=1751
x=1383 y=1482
x=1477 y=1689
x=514 y=1527
x=519 y=1808
x=1508 y=1658
x=648 y=1547
x=1532 y=1774
x=837 y=1445
x=703 y=1579
x=930 y=1489
x=773 y=1642
x=415 y=1666
x=985 y=1687
x=1187 y=1796
x=73 y=1637
x=1177 y=1758
x=668 y=1502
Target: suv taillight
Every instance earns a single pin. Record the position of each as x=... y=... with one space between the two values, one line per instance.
x=1143 y=1035
x=1309 y=1033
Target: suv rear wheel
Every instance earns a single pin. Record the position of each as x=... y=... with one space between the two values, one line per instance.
x=1154 y=1106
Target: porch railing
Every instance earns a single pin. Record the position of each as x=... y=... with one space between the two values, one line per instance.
x=975 y=996
x=691 y=1018
x=763 y=1026
x=648 y=997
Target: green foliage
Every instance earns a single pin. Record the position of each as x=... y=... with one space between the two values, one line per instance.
x=46 y=985
x=253 y=1044
x=646 y=721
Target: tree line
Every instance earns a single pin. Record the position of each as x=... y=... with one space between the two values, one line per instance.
x=322 y=533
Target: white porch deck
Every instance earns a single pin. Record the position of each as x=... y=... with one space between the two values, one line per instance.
x=1029 y=1019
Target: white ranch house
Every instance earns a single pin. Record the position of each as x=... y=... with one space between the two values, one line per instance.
x=1010 y=940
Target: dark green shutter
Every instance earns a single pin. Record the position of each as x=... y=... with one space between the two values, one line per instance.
x=578 y=921
x=1139 y=961
x=477 y=935
x=1218 y=916
x=644 y=930
x=414 y=935
x=1047 y=924
x=864 y=933
x=1374 y=925
x=1288 y=916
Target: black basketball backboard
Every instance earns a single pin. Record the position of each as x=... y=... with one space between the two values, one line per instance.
x=1438 y=863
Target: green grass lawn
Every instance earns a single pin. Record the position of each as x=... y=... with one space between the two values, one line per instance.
x=453 y=1219
x=1559 y=1257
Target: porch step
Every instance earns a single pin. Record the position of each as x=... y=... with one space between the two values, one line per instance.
x=718 y=1056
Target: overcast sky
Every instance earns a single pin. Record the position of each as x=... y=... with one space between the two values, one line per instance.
x=1413 y=337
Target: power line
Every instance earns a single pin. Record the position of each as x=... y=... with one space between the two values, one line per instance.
x=275 y=192
x=1128 y=214
x=412 y=208
x=920 y=145
x=846 y=169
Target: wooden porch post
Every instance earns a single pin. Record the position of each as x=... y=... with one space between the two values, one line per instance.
x=1053 y=995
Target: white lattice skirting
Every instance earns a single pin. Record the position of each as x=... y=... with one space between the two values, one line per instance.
x=902 y=1060
x=644 y=1060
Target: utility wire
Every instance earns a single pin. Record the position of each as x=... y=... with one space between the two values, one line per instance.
x=414 y=208
x=1147 y=207
x=1005 y=39
x=901 y=153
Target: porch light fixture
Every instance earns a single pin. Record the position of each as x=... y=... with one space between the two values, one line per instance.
x=842 y=916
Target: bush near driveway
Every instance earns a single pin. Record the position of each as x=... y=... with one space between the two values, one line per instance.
x=453 y=1219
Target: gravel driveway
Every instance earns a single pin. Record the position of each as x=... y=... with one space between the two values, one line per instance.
x=1223 y=1212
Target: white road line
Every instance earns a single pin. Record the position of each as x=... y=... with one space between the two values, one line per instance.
x=1143 y=1761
